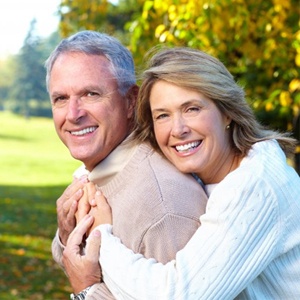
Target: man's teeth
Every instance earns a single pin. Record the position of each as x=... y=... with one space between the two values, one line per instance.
x=84 y=131
x=188 y=146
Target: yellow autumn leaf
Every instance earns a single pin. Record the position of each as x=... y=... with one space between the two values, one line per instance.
x=294 y=85
x=159 y=30
x=285 y=98
x=297 y=59
x=269 y=106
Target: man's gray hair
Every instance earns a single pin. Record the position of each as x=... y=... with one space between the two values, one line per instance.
x=96 y=43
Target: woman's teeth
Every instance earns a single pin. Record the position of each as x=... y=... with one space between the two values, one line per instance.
x=187 y=147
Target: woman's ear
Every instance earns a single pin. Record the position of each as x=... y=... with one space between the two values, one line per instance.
x=131 y=98
x=228 y=121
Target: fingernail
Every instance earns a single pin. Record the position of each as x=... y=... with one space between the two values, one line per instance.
x=96 y=233
x=83 y=178
x=98 y=193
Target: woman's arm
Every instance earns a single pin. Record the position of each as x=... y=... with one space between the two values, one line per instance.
x=233 y=245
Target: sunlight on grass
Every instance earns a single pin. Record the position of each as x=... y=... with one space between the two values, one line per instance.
x=35 y=169
x=31 y=153
x=32 y=246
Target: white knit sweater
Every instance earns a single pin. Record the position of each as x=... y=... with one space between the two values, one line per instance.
x=248 y=245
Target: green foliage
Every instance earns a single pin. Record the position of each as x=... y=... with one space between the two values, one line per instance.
x=35 y=169
x=257 y=41
x=99 y=15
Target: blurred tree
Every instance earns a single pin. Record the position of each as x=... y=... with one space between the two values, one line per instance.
x=28 y=85
x=7 y=73
x=259 y=41
x=99 y=15
x=22 y=77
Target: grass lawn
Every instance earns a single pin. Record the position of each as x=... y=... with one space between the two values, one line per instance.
x=35 y=169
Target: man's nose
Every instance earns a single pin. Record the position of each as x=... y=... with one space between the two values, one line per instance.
x=75 y=110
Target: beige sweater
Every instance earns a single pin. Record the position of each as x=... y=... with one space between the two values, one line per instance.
x=155 y=208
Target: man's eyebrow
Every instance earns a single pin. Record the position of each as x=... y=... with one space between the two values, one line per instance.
x=56 y=94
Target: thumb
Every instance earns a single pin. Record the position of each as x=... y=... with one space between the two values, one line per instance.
x=93 y=245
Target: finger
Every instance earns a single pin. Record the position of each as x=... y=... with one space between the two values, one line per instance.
x=93 y=246
x=67 y=204
x=72 y=212
x=103 y=208
x=91 y=190
x=77 y=183
x=65 y=201
x=79 y=231
x=101 y=201
x=83 y=206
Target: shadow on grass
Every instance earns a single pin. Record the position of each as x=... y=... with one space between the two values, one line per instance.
x=27 y=226
x=11 y=137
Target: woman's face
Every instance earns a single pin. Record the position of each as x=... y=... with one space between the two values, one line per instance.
x=191 y=131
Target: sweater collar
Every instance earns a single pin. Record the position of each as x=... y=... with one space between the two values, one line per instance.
x=112 y=164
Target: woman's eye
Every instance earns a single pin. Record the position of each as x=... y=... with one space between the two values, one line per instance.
x=160 y=116
x=193 y=109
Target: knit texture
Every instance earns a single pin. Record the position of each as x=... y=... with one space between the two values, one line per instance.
x=155 y=209
x=247 y=247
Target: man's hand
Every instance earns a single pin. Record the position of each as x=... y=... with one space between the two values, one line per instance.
x=66 y=207
x=83 y=270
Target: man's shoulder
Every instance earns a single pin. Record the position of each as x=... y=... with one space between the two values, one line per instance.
x=156 y=158
x=159 y=163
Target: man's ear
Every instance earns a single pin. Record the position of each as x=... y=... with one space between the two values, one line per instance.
x=131 y=98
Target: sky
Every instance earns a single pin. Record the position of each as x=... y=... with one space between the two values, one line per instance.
x=15 y=18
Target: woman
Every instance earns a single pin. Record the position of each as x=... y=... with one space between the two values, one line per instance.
x=248 y=245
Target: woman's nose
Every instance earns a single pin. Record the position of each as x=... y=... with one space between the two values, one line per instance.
x=179 y=127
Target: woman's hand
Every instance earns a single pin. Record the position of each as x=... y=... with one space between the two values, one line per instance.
x=100 y=210
x=84 y=205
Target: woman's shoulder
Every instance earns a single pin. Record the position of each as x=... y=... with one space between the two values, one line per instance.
x=264 y=172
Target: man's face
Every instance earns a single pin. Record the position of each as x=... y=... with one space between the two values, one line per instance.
x=90 y=116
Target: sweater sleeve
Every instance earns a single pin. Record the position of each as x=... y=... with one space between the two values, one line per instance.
x=57 y=249
x=99 y=291
x=235 y=242
x=167 y=236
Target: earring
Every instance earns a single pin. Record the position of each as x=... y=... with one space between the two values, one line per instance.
x=228 y=126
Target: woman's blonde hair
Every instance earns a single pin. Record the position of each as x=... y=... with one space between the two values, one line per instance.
x=198 y=71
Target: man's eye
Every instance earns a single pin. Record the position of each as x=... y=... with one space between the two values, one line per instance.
x=91 y=94
x=59 y=101
x=61 y=98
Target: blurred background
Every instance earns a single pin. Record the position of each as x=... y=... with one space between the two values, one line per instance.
x=259 y=42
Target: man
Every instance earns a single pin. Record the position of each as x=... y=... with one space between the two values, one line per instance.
x=156 y=209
